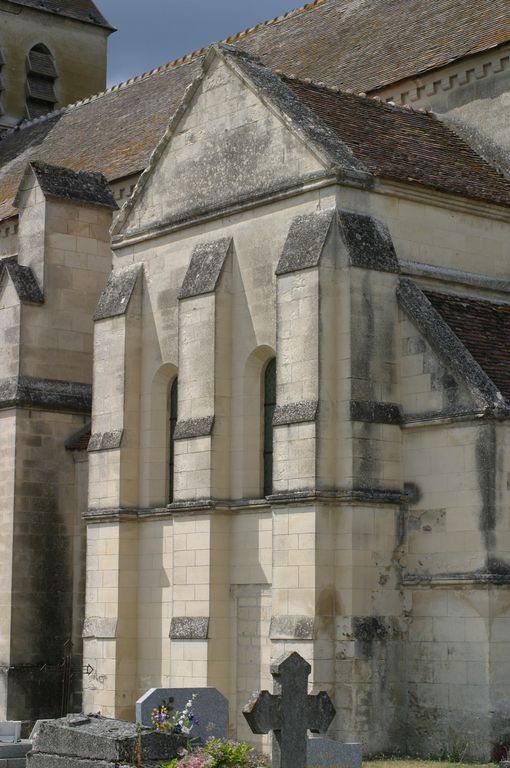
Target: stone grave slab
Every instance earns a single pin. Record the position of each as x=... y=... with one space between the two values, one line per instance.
x=327 y=753
x=210 y=707
x=97 y=742
x=10 y=731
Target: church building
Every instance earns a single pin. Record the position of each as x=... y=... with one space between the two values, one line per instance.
x=255 y=369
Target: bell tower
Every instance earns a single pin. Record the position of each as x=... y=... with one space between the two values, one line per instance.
x=52 y=53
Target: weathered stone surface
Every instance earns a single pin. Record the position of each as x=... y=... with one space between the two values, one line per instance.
x=305 y=242
x=326 y=753
x=368 y=242
x=199 y=427
x=100 y=739
x=189 y=628
x=205 y=268
x=210 y=707
x=27 y=391
x=117 y=293
x=80 y=186
x=105 y=441
x=23 y=280
x=98 y=627
x=292 y=628
x=296 y=413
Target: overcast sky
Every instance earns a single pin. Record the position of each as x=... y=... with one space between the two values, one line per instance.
x=152 y=32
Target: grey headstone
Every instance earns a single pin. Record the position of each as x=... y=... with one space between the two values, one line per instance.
x=326 y=753
x=10 y=731
x=210 y=707
x=81 y=739
x=290 y=712
x=35 y=730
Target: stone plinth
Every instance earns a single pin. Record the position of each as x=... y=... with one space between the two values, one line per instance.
x=97 y=742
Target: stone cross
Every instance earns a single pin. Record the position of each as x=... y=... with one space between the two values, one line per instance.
x=290 y=712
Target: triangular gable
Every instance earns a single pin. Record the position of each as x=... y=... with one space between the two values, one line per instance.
x=449 y=348
x=240 y=133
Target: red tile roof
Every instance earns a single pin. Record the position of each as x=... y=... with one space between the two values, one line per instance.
x=356 y=44
x=397 y=143
x=484 y=329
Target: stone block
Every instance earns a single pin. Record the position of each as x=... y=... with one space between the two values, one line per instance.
x=326 y=753
x=93 y=739
x=14 y=750
x=210 y=707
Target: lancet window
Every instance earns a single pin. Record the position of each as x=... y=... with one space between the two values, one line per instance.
x=269 y=407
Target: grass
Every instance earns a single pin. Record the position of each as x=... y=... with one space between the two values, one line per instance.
x=397 y=763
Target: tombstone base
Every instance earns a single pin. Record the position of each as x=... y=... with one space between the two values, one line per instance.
x=326 y=753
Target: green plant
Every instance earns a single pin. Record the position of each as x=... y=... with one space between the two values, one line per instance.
x=228 y=754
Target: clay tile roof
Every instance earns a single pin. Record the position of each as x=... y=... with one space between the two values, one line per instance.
x=356 y=44
x=81 y=10
x=484 y=329
x=397 y=143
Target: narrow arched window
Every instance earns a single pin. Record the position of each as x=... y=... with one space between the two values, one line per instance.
x=269 y=406
x=172 y=421
x=2 y=62
x=40 y=86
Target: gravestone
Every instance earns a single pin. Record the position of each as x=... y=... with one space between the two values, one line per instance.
x=210 y=707
x=290 y=712
x=10 y=731
x=79 y=741
x=327 y=753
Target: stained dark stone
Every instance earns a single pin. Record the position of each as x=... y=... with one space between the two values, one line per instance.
x=199 y=427
x=296 y=413
x=376 y=413
x=80 y=186
x=23 y=280
x=117 y=292
x=105 y=441
x=369 y=628
x=79 y=440
x=368 y=242
x=206 y=266
x=29 y=392
x=189 y=628
x=305 y=242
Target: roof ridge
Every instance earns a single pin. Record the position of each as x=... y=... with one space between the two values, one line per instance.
x=174 y=64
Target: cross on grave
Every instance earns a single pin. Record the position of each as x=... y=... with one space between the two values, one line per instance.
x=290 y=712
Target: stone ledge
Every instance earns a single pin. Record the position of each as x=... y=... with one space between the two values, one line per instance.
x=368 y=242
x=296 y=413
x=190 y=428
x=105 y=441
x=117 y=292
x=206 y=266
x=189 y=628
x=305 y=242
x=49 y=394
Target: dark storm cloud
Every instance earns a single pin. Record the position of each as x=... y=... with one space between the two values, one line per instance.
x=152 y=32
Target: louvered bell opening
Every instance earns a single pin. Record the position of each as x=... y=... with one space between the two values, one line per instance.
x=40 y=63
x=37 y=108
x=41 y=89
x=2 y=60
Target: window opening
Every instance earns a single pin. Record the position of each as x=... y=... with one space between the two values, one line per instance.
x=40 y=86
x=269 y=408
x=172 y=418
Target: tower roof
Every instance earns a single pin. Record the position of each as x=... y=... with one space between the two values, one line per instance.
x=80 y=10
